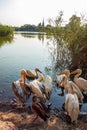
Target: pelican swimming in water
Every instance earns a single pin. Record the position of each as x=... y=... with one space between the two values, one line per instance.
x=80 y=82
x=72 y=106
x=70 y=86
x=20 y=90
x=39 y=109
x=33 y=74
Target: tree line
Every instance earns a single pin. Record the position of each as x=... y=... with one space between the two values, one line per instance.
x=6 y=31
x=75 y=31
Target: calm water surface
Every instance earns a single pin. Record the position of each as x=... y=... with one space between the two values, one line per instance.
x=27 y=51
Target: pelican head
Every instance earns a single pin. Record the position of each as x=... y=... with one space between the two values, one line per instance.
x=37 y=70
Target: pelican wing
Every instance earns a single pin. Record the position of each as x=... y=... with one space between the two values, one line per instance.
x=48 y=86
x=37 y=88
x=40 y=111
x=48 y=83
x=18 y=87
x=76 y=90
x=18 y=91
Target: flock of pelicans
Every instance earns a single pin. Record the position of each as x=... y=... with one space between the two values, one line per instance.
x=40 y=87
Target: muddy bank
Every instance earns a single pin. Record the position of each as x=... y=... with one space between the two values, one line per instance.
x=22 y=119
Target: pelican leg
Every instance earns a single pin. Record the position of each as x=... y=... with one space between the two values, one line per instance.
x=62 y=92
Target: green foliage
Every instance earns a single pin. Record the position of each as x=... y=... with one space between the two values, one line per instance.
x=6 y=31
x=72 y=29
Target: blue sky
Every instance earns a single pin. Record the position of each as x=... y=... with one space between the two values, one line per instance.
x=20 y=12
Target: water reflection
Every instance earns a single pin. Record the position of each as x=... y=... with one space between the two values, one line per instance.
x=32 y=35
x=5 y=40
x=27 y=35
x=59 y=53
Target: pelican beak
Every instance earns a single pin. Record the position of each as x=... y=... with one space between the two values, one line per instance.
x=42 y=77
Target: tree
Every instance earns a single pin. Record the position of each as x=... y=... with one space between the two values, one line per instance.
x=72 y=29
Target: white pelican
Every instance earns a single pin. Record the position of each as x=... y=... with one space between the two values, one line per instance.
x=70 y=86
x=80 y=82
x=37 y=88
x=39 y=109
x=33 y=74
x=42 y=90
x=59 y=80
x=72 y=106
x=20 y=90
x=48 y=86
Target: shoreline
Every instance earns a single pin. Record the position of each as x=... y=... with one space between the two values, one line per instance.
x=22 y=119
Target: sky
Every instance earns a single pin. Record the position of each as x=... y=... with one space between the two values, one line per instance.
x=20 y=12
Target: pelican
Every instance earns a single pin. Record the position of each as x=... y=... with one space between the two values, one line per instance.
x=41 y=89
x=59 y=80
x=37 y=88
x=20 y=90
x=72 y=106
x=33 y=74
x=70 y=86
x=80 y=82
x=39 y=109
x=48 y=86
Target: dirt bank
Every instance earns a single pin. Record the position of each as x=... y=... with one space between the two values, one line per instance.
x=22 y=119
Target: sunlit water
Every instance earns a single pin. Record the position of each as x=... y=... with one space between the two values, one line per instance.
x=28 y=52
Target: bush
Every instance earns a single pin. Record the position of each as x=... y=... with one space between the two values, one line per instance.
x=6 y=31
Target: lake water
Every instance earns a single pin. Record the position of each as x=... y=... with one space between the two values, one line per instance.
x=28 y=51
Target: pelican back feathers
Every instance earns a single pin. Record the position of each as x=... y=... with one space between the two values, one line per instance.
x=18 y=92
x=48 y=86
x=72 y=106
x=39 y=108
x=37 y=88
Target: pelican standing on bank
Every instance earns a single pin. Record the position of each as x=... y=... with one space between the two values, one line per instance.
x=59 y=80
x=42 y=88
x=72 y=106
x=20 y=90
x=70 y=86
x=79 y=81
x=37 y=88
